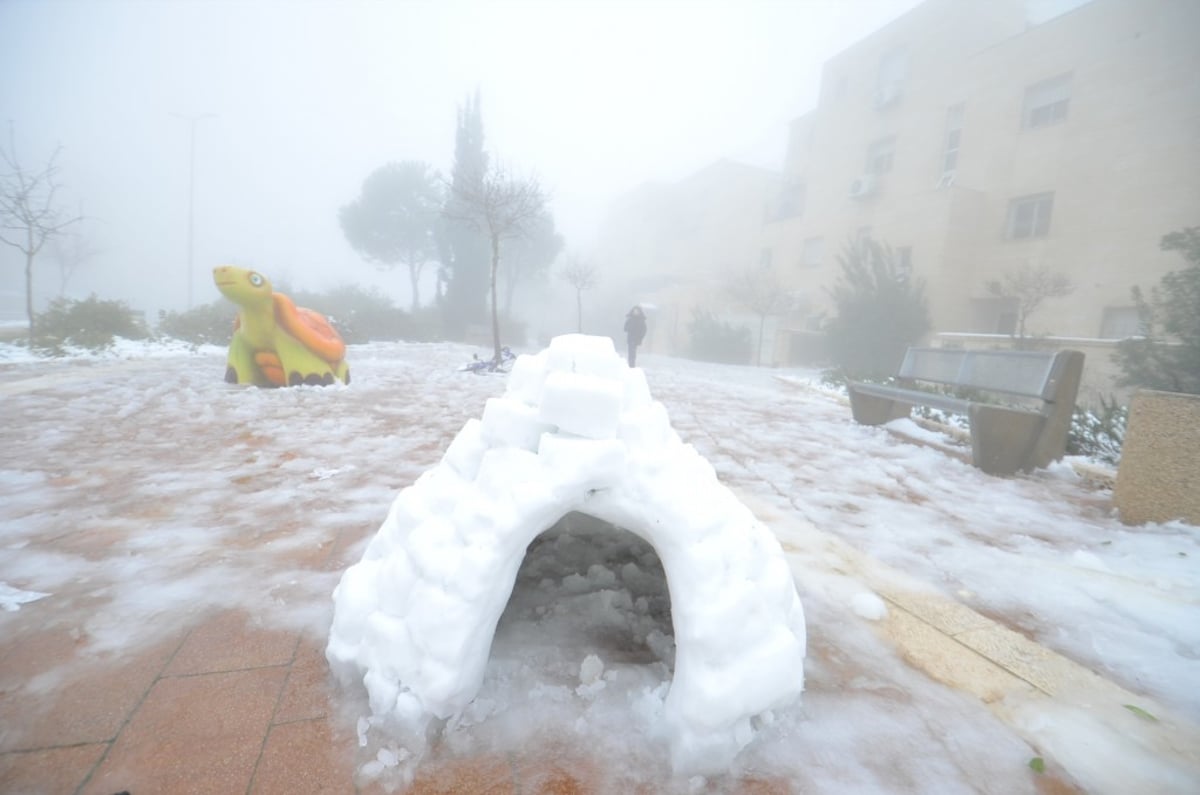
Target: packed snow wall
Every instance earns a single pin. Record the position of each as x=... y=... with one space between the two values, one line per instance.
x=576 y=430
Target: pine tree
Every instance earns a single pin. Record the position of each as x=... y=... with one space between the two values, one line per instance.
x=1167 y=355
x=881 y=310
x=463 y=247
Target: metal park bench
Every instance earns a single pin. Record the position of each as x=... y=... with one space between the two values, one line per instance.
x=1028 y=431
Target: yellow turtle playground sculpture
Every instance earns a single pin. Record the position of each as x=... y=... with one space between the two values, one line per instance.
x=275 y=342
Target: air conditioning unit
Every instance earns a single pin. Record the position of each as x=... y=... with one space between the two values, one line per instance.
x=947 y=180
x=863 y=186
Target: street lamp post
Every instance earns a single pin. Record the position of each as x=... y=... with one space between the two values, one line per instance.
x=193 y=120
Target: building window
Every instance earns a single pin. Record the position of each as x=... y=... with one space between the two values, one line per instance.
x=1119 y=322
x=812 y=252
x=889 y=82
x=954 y=118
x=880 y=155
x=1029 y=216
x=1046 y=102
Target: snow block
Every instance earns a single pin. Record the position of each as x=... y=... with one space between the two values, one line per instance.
x=510 y=423
x=585 y=405
x=577 y=430
x=586 y=355
x=585 y=464
x=526 y=379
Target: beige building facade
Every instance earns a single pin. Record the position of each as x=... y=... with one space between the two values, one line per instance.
x=976 y=145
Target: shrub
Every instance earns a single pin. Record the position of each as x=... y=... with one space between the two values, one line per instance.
x=1098 y=435
x=1167 y=357
x=714 y=340
x=210 y=324
x=881 y=311
x=91 y=324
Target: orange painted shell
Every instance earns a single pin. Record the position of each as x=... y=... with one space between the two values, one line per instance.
x=310 y=328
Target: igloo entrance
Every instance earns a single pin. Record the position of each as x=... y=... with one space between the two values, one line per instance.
x=595 y=593
x=576 y=432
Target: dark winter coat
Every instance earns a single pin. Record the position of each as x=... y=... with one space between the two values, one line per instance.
x=635 y=328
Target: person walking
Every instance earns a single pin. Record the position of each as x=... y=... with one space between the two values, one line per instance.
x=635 y=332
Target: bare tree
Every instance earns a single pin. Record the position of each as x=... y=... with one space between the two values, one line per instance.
x=1028 y=287
x=502 y=206
x=759 y=290
x=582 y=276
x=28 y=215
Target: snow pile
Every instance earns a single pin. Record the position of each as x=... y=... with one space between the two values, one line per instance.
x=576 y=431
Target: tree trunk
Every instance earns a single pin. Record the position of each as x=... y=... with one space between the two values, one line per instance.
x=414 y=278
x=495 y=313
x=509 y=287
x=29 y=288
x=762 y=322
x=579 y=309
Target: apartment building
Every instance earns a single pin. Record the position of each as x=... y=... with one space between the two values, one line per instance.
x=976 y=144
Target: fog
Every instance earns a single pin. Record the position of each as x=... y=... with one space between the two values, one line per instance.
x=307 y=98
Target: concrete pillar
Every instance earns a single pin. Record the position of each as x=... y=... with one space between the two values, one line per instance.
x=1159 y=475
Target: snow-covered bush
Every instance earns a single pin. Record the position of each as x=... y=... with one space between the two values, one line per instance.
x=209 y=324
x=1098 y=434
x=92 y=323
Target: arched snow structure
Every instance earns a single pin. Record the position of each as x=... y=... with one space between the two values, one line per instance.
x=576 y=430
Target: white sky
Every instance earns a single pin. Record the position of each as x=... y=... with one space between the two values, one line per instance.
x=309 y=97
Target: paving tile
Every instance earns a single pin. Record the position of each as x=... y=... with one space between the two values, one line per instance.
x=48 y=771
x=558 y=771
x=230 y=641
x=73 y=699
x=308 y=690
x=305 y=757
x=479 y=775
x=947 y=660
x=193 y=734
x=1017 y=654
x=761 y=786
x=940 y=612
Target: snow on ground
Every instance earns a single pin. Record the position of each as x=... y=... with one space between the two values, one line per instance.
x=139 y=491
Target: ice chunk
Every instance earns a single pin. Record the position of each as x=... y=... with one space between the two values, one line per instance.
x=12 y=598
x=869 y=606
x=591 y=669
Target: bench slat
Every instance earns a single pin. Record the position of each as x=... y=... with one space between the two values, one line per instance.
x=1023 y=373
x=913 y=397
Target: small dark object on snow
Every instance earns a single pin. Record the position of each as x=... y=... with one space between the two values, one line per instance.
x=479 y=366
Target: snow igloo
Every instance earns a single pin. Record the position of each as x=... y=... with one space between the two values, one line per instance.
x=576 y=431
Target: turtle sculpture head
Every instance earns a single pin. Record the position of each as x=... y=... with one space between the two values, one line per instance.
x=275 y=342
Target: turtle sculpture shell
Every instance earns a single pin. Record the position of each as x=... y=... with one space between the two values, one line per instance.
x=275 y=342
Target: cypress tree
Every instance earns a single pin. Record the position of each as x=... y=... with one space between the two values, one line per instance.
x=464 y=249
